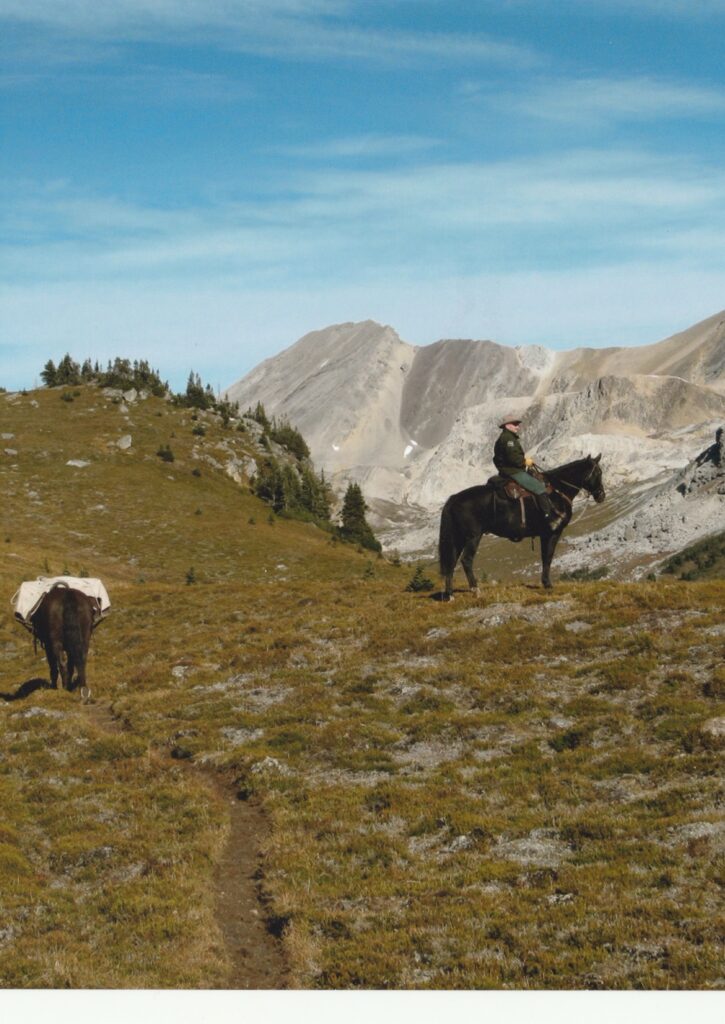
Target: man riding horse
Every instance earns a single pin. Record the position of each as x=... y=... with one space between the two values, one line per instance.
x=510 y=460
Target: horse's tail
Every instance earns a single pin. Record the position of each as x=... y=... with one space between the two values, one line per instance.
x=73 y=631
x=447 y=548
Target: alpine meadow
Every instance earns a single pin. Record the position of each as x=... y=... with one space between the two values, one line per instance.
x=518 y=790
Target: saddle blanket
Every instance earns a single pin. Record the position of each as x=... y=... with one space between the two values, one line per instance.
x=29 y=595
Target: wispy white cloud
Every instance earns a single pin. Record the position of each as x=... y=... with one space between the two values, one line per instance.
x=88 y=17
x=151 y=85
x=602 y=101
x=327 y=223
x=667 y=8
x=353 y=146
x=285 y=29
x=693 y=10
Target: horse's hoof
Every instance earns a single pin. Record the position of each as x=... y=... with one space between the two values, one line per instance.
x=85 y=694
x=476 y=591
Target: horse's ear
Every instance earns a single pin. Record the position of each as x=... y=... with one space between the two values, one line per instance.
x=598 y=458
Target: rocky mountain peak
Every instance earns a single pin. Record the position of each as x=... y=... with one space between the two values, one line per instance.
x=415 y=424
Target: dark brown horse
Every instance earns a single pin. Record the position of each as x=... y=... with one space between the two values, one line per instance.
x=62 y=624
x=466 y=516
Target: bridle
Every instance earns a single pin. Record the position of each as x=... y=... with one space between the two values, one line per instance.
x=578 y=487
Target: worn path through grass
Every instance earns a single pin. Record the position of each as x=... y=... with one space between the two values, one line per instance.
x=254 y=952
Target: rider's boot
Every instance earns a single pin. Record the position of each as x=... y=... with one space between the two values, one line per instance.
x=553 y=518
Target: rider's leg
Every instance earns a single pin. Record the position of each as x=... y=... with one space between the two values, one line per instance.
x=538 y=489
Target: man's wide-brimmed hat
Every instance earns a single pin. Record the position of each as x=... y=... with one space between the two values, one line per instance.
x=509 y=419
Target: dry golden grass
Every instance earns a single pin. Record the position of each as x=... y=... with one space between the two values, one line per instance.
x=519 y=790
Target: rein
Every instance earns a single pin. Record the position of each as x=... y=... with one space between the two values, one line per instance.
x=567 y=483
x=575 y=487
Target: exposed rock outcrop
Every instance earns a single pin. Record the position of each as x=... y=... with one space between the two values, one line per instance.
x=689 y=506
x=413 y=424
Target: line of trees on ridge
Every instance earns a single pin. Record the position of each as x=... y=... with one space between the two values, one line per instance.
x=294 y=490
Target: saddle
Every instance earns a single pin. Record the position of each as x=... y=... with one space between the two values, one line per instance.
x=505 y=487
x=27 y=598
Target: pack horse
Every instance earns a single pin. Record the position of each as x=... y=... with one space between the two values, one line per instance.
x=61 y=613
x=466 y=516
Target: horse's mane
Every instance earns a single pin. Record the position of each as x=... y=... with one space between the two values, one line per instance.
x=568 y=467
x=472 y=492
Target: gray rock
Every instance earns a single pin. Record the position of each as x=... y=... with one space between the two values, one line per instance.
x=38 y=713
x=713 y=732
x=460 y=843
x=238 y=737
x=240 y=468
x=541 y=848
x=269 y=766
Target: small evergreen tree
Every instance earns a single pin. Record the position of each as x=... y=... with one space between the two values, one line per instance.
x=165 y=453
x=285 y=434
x=197 y=396
x=419 y=581
x=315 y=495
x=260 y=416
x=355 y=526
x=69 y=372
x=49 y=374
x=269 y=485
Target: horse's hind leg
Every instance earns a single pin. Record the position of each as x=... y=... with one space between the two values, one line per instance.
x=61 y=660
x=53 y=666
x=469 y=553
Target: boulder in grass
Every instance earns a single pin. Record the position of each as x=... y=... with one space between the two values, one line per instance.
x=712 y=733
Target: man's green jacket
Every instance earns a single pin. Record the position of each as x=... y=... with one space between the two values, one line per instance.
x=508 y=455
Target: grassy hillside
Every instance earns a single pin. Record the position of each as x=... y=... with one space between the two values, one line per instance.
x=703 y=560
x=518 y=790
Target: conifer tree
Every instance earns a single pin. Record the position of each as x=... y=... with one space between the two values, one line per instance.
x=355 y=526
x=49 y=374
x=259 y=414
x=197 y=396
x=69 y=372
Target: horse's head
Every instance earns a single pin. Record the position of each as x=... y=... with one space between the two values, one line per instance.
x=592 y=481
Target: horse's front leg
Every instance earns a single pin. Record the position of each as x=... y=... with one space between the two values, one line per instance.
x=467 y=557
x=548 y=546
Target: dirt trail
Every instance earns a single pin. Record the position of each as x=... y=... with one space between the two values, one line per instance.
x=255 y=953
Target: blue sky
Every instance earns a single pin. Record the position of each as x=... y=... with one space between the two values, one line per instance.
x=200 y=182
